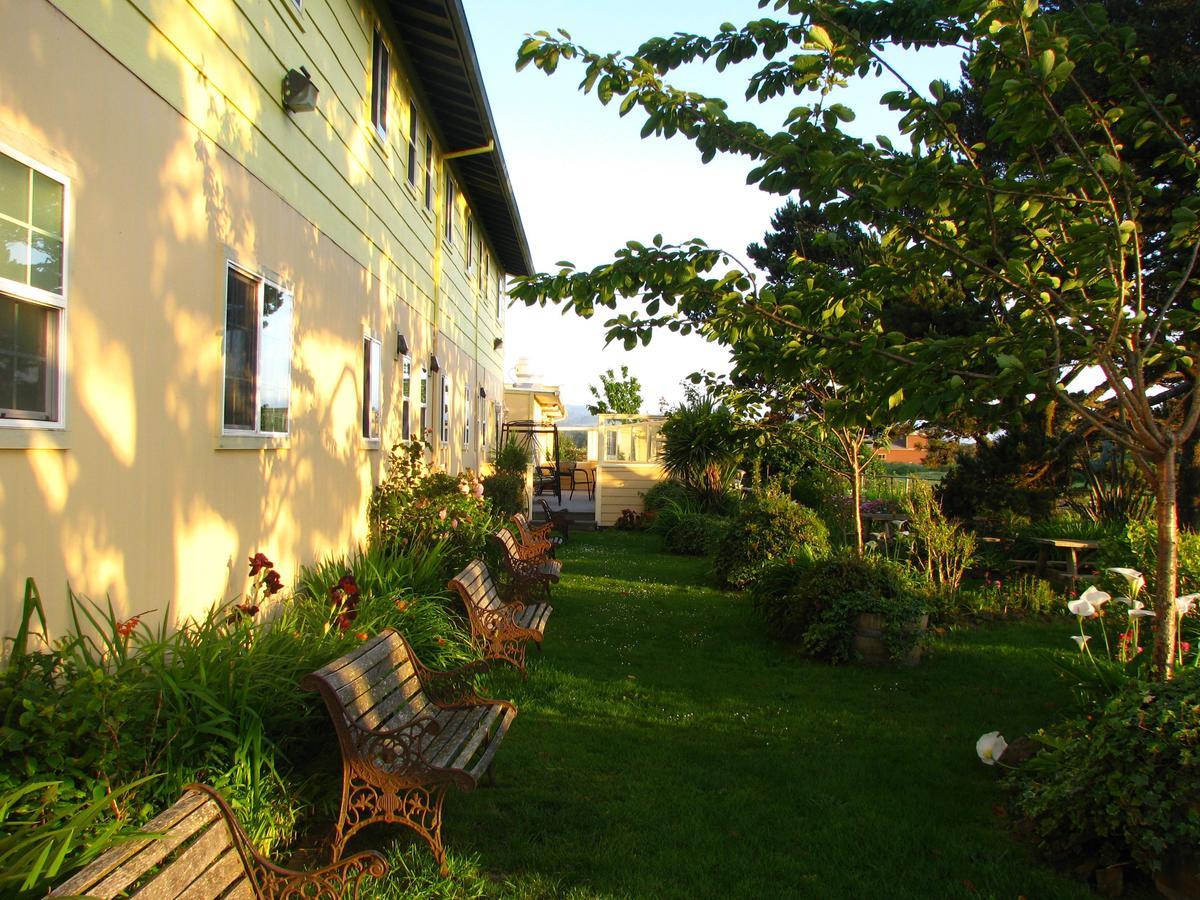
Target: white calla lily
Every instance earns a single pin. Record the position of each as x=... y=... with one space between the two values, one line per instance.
x=1081 y=639
x=991 y=747
x=1082 y=608
x=1184 y=604
x=1140 y=612
x=1095 y=596
x=1135 y=578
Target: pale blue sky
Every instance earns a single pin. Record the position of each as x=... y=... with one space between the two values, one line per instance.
x=586 y=182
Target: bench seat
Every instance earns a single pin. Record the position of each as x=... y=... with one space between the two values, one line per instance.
x=499 y=630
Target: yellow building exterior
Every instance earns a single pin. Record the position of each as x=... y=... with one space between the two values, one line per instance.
x=216 y=313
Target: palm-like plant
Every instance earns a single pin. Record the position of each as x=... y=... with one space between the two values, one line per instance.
x=701 y=447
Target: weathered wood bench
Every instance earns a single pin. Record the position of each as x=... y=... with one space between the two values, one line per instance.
x=198 y=850
x=537 y=535
x=499 y=630
x=407 y=733
x=528 y=573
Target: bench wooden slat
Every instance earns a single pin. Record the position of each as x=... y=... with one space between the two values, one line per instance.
x=485 y=760
x=478 y=736
x=459 y=729
x=114 y=871
x=187 y=865
x=403 y=705
x=218 y=878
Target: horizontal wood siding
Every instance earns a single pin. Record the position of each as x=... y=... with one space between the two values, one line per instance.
x=622 y=486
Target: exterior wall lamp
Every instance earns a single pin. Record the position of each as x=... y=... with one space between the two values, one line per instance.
x=299 y=92
x=434 y=365
x=401 y=345
x=482 y=393
x=497 y=343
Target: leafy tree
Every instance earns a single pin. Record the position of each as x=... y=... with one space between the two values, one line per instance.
x=621 y=395
x=702 y=447
x=1073 y=226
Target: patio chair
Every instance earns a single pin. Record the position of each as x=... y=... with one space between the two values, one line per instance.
x=560 y=519
x=579 y=475
x=544 y=480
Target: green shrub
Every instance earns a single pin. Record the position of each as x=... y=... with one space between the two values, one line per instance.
x=702 y=447
x=815 y=603
x=511 y=456
x=767 y=527
x=695 y=534
x=661 y=493
x=506 y=490
x=1122 y=783
x=1016 y=596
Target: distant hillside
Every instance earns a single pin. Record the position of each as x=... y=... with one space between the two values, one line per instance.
x=577 y=414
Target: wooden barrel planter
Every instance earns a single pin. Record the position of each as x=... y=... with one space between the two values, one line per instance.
x=871 y=645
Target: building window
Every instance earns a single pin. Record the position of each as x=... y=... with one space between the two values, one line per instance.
x=481 y=412
x=372 y=395
x=445 y=410
x=33 y=297
x=499 y=294
x=258 y=354
x=423 y=403
x=429 y=173
x=412 y=143
x=466 y=416
x=498 y=419
x=451 y=201
x=380 y=82
x=470 y=241
x=405 y=398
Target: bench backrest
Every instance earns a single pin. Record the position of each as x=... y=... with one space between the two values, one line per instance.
x=196 y=852
x=476 y=587
x=522 y=524
x=375 y=686
x=509 y=543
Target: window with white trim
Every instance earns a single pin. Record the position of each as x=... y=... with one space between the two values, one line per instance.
x=33 y=294
x=498 y=418
x=481 y=413
x=467 y=416
x=423 y=403
x=381 y=66
x=499 y=294
x=258 y=354
x=445 y=410
x=412 y=143
x=405 y=398
x=470 y=242
x=450 y=198
x=372 y=389
x=429 y=173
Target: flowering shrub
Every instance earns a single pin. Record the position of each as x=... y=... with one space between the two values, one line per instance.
x=1121 y=784
x=415 y=509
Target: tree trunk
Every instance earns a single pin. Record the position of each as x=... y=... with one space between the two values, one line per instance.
x=1165 y=574
x=856 y=505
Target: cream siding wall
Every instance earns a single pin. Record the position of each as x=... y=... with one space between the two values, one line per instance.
x=620 y=485
x=165 y=116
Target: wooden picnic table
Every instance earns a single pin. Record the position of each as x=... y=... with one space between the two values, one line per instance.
x=1073 y=547
x=888 y=520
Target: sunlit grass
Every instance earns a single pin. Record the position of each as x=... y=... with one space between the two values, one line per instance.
x=666 y=748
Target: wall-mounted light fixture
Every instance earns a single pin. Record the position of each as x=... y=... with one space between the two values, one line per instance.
x=434 y=365
x=497 y=343
x=401 y=345
x=483 y=393
x=299 y=92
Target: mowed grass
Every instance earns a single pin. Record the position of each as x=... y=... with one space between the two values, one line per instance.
x=666 y=748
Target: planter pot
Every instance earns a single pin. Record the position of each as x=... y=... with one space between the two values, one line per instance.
x=870 y=645
x=1179 y=878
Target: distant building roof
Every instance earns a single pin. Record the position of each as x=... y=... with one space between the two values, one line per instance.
x=438 y=41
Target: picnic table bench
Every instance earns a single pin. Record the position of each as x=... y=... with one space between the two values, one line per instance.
x=1067 y=569
x=499 y=630
x=530 y=571
x=198 y=849
x=407 y=733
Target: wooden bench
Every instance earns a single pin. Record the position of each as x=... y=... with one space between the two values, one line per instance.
x=407 y=733
x=559 y=519
x=499 y=630
x=198 y=850
x=537 y=534
x=529 y=573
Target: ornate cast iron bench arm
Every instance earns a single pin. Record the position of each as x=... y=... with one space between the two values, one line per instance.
x=455 y=687
x=396 y=750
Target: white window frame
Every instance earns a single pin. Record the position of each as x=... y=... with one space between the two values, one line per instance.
x=381 y=82
x=429 y=173
x=481 y=418
x=372 y=390
x=467 y=416
x=406 y=383
x=256 y=437
x=499 y=293
x=414 y=131
x=445 y=421
x=449 y=204
x=470 y=250
x=27 y=293
x=423 y=405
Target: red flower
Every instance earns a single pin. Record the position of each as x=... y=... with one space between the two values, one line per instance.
x=258 y=562
x=362 y=635
x=125 y=629
x=1185 y=646
x=348 y=585
x=273 y=583
x=346 y=619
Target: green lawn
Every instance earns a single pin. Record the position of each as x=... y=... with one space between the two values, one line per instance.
x=666 y=748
